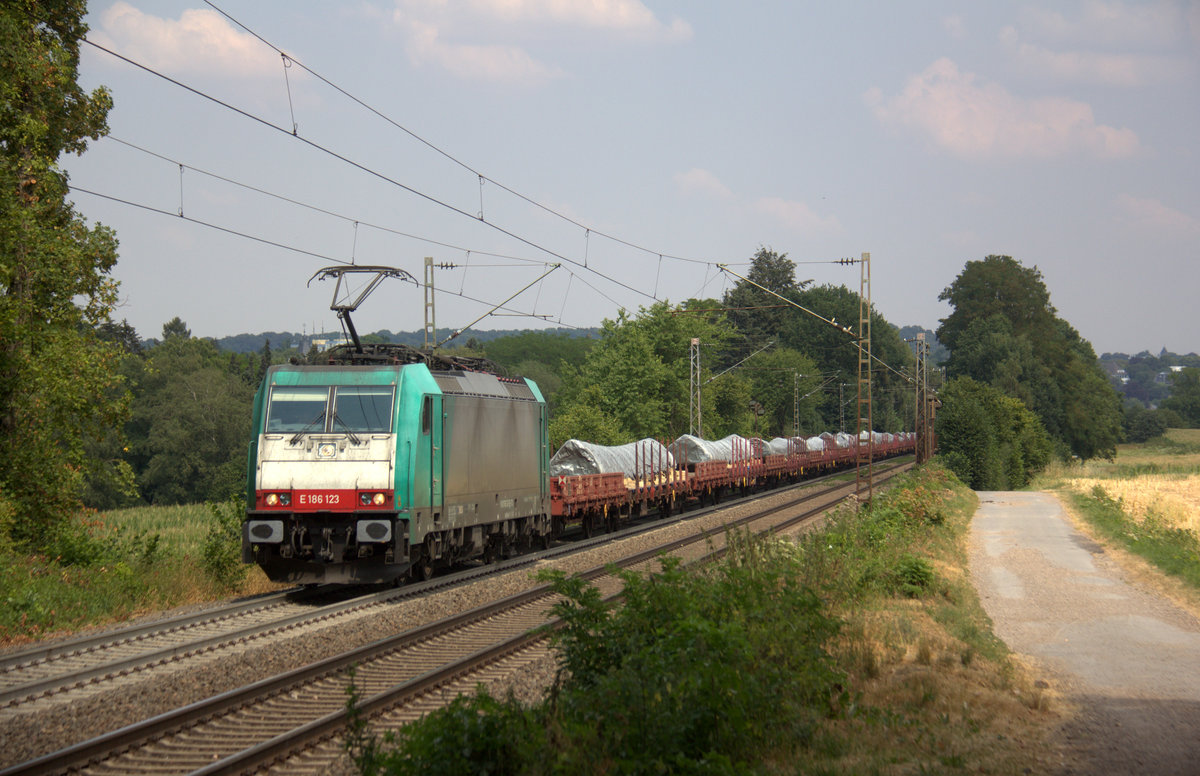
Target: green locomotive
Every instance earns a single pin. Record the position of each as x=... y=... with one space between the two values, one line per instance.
x=389 y=464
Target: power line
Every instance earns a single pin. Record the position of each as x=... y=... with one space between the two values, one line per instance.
x=324 y=211
x=364 y=168
x=482 y=177
x=286 y=247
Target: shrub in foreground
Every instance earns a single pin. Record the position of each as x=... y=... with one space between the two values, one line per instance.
x=694 y=672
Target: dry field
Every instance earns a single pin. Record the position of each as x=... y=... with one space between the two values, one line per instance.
x=1149 y=479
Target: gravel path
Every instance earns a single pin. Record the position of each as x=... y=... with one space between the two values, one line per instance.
x=1125 y=657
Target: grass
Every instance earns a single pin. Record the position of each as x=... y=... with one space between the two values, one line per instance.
x=860 y=648
x=110 y=567
x=1145 y=502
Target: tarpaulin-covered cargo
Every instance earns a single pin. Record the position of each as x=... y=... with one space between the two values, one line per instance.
x=636 y=459
x=693 y=450
x=784 y=446
x=815 y=443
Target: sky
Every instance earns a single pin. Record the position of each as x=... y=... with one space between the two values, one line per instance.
x=629 y=147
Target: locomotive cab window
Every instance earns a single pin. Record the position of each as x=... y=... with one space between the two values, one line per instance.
x=362 y=409
x=365 y=409
x=296 y=408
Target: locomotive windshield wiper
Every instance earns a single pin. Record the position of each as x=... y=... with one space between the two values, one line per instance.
x=349 y=432
x=295 y=440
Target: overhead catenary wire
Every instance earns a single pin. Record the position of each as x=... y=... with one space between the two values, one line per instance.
x=364 y=168
x=358 y=221
x=454 y=159
x=286 y=247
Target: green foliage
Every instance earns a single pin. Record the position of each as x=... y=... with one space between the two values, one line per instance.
x=635 y=379
x=221 y=556
x=695 y=672
x=58 y=381
x=89 y=572
x=678 y=677
x=914 y=575
x=989 y=440
x=836 y=353
x=1185 y=396
x=474 y=734
x=1147 y=425
x=191 y=422
x=1005 y=333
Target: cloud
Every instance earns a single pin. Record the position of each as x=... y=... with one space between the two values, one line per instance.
x=797 y=215
x=200 y=41
x=493 y=63
x=1102 y=22
x=703 y=182
x=955 y=26
x=488 y=40
x=791 y=214
x=1094 y=67
x=624 y=16
x=1153 y=214
x=975 y=119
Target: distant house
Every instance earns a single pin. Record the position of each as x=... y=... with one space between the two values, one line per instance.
x=323 y=342
x=1162 y=377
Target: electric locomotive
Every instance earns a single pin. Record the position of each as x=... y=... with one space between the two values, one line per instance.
x=390 y=461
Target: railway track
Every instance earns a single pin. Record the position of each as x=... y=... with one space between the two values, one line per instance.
x=302 y=711
x=93 y=664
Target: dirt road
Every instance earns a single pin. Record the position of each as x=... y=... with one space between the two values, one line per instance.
x=1126 y=657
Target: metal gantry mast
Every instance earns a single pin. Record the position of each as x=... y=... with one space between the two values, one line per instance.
x=695 y=427
x=866 y=454
x=430 y=315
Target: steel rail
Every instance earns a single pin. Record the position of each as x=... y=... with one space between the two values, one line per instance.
x=276 y=750
x=81 y=754
x=74 y=677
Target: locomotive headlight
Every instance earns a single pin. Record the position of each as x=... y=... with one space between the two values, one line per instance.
x=378 y=499
x=272 y=499
x=285 y=499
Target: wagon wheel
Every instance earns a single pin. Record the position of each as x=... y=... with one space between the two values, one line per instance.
x=422 y=566
x=587 y=523
x=489 y=550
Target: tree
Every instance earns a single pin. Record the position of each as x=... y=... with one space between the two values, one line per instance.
x=998 y=285
x=1185 y=396
x=990 y=441
x=756 y=313
x=1005 y=333
x=175 y=328
x=58 y=381
x=191 y=423
x=264 y=363
x=636 y=378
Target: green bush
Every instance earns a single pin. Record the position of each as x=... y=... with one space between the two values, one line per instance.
x=914 y=576
x=694 y=672
x=221 y=555
x=478 y=735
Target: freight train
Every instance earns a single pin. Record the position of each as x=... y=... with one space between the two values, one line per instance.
x=389 y=462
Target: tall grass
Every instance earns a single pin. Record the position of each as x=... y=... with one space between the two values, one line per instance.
x=108 y=567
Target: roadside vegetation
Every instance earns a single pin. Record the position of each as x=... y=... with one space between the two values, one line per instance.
x=1145 y=501
x=857 y=648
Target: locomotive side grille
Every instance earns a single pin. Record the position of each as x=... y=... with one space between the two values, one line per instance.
x=518 y=390
x=481 y=384
x=448 y=383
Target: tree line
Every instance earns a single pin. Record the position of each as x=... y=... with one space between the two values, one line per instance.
x=93 y=416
